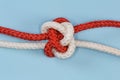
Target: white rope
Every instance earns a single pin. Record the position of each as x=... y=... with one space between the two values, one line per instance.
x=67 y=30
x=78 y=43
x=97 y=46
x=18 y=45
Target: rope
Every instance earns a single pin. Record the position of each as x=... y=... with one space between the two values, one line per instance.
x=78 y=43
x=60 y=36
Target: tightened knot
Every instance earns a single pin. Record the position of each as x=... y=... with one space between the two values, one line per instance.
x=61 y=41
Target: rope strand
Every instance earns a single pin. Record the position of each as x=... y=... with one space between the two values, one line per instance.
x=44 y=36
x=41 y=45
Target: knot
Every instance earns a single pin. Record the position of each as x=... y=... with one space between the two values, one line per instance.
x=61 y=41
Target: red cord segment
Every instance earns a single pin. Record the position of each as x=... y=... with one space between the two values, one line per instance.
x=54 y=36
x=23 y=35
x=96 y=24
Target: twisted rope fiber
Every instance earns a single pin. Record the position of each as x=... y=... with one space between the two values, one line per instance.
x=54 y=37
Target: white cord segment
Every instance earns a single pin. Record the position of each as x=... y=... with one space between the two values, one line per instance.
x=18 y=45
x=78 y=43
x=97 y=46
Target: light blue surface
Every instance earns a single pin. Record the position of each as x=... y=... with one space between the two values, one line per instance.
x=28 y=16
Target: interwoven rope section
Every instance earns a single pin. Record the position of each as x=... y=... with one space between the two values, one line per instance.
x=60 y=36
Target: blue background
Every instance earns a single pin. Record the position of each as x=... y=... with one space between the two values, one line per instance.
x=86 y=64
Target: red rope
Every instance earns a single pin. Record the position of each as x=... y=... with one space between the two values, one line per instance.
x=54 y=36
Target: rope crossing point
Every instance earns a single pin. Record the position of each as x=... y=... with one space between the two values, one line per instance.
x=60 y=36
